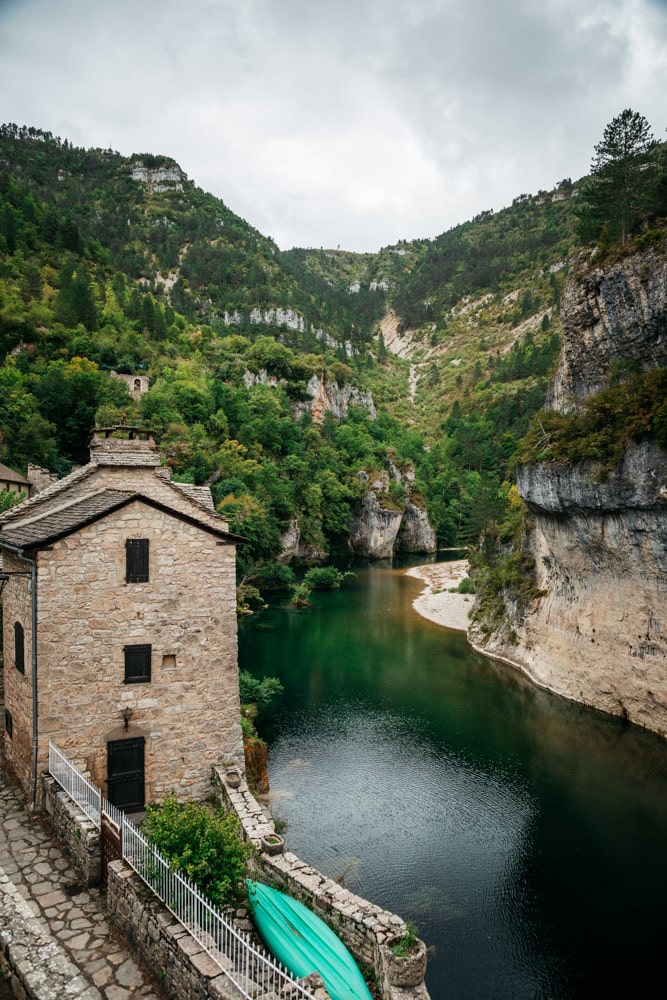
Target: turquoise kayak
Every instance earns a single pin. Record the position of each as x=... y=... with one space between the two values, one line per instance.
x=304 y=943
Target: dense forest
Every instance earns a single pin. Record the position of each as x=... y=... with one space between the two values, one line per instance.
x=113 y=264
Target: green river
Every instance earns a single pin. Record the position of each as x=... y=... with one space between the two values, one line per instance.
x=523 y=834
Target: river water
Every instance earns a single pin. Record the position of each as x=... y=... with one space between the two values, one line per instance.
x=523 y=834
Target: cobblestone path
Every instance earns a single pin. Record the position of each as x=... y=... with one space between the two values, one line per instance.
x=57 y=932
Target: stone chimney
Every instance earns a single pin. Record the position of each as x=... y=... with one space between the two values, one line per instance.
x=123 y=446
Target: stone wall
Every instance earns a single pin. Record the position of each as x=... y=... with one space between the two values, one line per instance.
x=365 y=928
x=78 y=835
x=181 y=965
x=17 y=607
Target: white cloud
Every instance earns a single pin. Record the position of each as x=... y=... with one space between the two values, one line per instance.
x=355 y=123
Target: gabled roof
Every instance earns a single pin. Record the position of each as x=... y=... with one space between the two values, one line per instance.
x=56 y=524
x=9 y=476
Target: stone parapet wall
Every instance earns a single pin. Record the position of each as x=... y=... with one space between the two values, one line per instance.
x=184 y=969
x=78 y=835
x=365 y=928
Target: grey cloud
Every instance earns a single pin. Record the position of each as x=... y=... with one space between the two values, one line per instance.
x=356 y=122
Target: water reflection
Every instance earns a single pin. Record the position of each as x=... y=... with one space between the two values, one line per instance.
x=523 y=834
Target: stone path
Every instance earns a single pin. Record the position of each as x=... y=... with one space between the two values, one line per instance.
x=55 y=932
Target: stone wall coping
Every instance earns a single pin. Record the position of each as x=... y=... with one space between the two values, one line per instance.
x=364 y=927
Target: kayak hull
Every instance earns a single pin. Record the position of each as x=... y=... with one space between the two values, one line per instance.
x=304 y=943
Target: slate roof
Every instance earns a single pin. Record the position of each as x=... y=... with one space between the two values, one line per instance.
x=9 y=476
x=55 y=524
x=200 y=494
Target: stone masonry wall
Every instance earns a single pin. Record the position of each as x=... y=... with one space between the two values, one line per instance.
x=78 y=835
x=17 y=607
x=366 y=929
x=184 y=969
x=189 y=711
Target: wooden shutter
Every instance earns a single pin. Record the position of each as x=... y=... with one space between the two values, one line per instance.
x=137 y=664
x=136 y=560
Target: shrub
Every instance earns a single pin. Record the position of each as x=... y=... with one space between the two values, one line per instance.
x=258 y=692
x=204 y=844
x=324 y=578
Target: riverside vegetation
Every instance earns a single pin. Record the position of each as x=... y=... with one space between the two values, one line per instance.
x=124 y=264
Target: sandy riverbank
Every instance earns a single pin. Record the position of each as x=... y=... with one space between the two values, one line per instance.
x=435 y=602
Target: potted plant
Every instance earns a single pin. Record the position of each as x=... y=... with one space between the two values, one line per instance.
x=404 y=958
x=272 y=843
x=233 y=777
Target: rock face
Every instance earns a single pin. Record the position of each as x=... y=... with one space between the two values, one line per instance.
x=158 y=179
x=381 y=526
x=330 y=397
x=612 y=318
x=599 y=633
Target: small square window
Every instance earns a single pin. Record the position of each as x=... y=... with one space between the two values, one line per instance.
x=136 y=560
x=9 y=723
x=19 y=647
x=137 y=664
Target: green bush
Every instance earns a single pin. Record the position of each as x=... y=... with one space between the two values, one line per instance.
x=257 y=692
x=324 y=578
x=204 y=844
x=466 y=586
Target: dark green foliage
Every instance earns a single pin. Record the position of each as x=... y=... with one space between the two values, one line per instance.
x=610 y=421
x=627 y=182
x=203 y=843
x=324 y=578
x=258 y=692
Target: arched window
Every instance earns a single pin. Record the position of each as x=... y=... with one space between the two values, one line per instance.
x=137 y=385
x=19 y=647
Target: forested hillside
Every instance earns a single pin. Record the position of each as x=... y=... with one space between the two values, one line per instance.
x=123 y=264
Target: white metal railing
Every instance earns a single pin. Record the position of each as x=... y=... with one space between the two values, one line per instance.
x=76 y=785
x=250 y=968
x=246 y=965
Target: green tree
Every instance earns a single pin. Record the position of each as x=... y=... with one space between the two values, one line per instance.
x=620 y=182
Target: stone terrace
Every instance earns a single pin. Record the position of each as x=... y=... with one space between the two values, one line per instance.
x=55 y=938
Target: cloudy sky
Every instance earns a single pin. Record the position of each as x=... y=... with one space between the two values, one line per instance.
x=349 y=123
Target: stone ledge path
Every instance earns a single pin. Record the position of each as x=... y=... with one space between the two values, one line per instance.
x=56 y=933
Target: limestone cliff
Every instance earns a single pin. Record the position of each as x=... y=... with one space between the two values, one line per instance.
x=330 y=397
x=383 y=525
x=613 y=318
x=598 y=635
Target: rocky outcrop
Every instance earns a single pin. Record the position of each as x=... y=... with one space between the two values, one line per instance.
x=288 y=318
x=598 y=635
x=614 y=320
x=375 y=526
x=416 y=533
x=382 y=526
x=292 y=547
x=159 y=178
x=329 y=397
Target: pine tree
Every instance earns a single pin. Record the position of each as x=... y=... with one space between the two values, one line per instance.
x=620 y=178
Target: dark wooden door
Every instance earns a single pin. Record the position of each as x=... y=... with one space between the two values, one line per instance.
x=125 y=772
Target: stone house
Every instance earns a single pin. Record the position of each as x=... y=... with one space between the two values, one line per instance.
x=119 y=627
x=14 y=481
